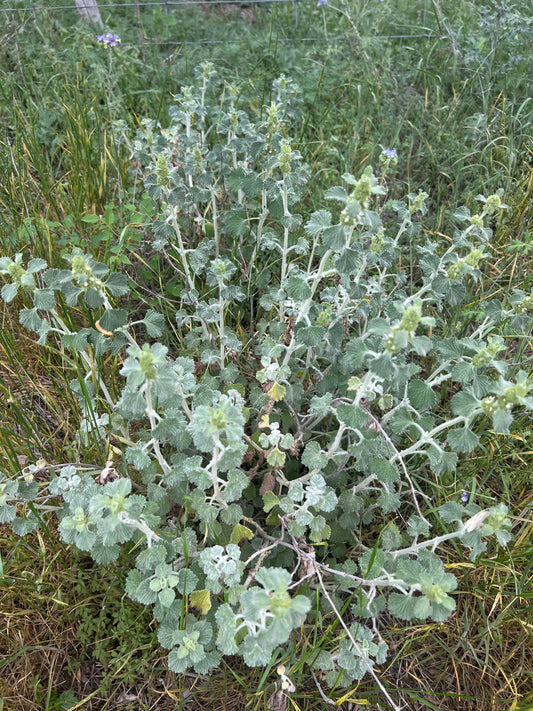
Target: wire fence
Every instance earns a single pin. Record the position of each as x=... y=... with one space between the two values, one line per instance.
x=167 y=6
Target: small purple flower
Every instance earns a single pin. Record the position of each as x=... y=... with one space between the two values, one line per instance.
x=322 y=2
x=464 y=497
x=109 y=39
x=389 y=153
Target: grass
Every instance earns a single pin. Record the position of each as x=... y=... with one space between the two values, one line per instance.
x=457 y=107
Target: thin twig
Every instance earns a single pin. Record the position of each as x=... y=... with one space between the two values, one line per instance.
x=353 y=642
x=329 y=701
x=391 y=444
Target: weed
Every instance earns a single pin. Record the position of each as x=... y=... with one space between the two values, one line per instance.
x=455 y=105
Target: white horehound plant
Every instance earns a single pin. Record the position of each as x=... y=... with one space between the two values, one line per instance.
x=254 y=465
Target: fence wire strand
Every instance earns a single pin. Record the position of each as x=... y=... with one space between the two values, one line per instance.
x=167 y=4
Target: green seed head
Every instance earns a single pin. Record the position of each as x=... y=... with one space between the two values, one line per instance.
x=218 y=420
x=146 y=362
x=493 y=204
x=418 y=203
x=281 y=602
x=454 y=270
x=482 y=358
x=411 y=319
x=435 y=593
x=207 y=68
x=162 y=171
x=489 y=405
x=363 y=189
x=474 y=258
x=16 y=272
x=79 y=265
